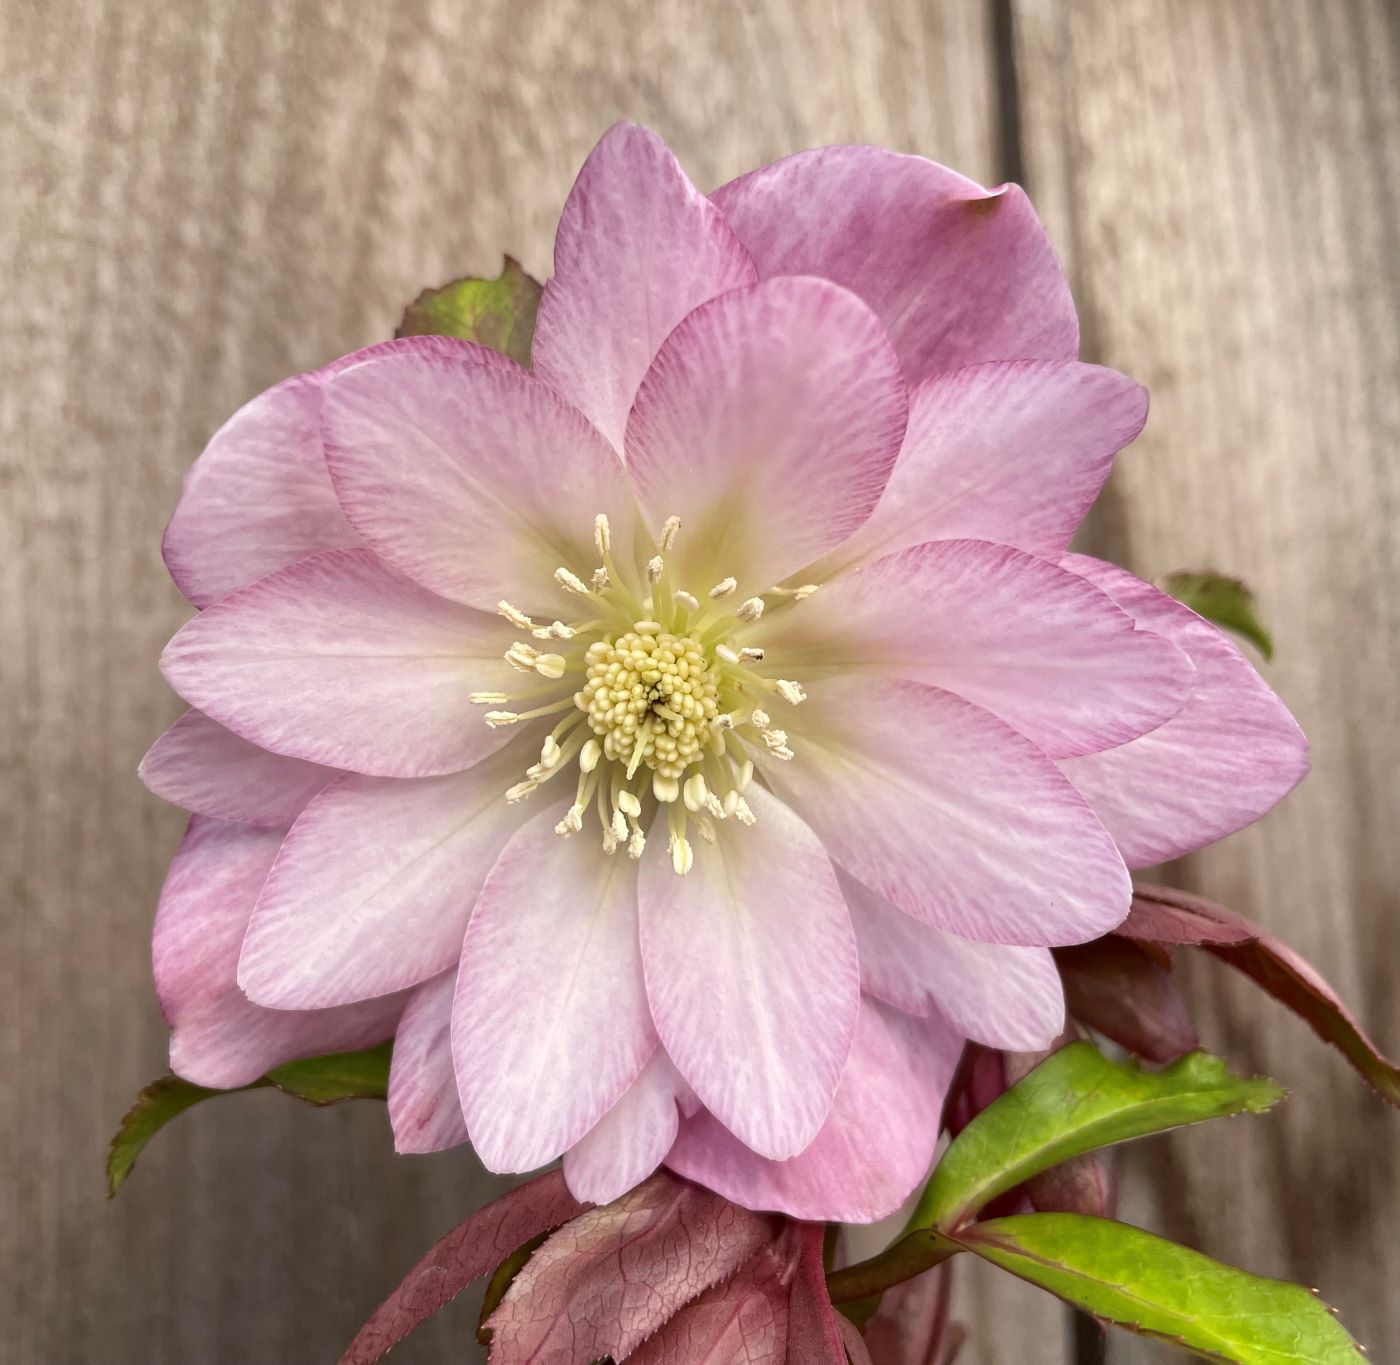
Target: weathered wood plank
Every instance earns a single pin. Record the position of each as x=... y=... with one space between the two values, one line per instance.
x=199 y=199
x=1226 y=179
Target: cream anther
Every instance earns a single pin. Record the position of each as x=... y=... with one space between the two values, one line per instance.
x=515 y=616
x=750 y=610
x=550 y=752
x=618 y=825
x=602 y=534
x=589 y=755
x=695 y=792
x=730 y=656
x=686 y=599
x=495 y=719
x=744 y=813
x=570 y=580
x=805 y=591
x=572 y=821
x=669 y=527
x=745 y=775
x=665 y=789
x=628 y=804
x=724 y=587
x=760 y=718
x=731 y=802
x=750 y=654
x=488 y=698
x=636 y=844
x=556 y=630
x=600 y=579
x=648 y=627
x=790 y=691
x=550 y=666
x=656 y=566
x=521 y=790
x=522 y=657
x=682 y=857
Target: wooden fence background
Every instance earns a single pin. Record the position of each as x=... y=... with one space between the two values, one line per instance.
x=199 y=198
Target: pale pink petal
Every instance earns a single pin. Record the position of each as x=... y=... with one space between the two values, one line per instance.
x=339 y=660
x=477 y=481
x=218 y=1038
x=1228 y=757
x=201 y=766
x=631 y=1140
x=1014 y=452
x=638 y=247
x=374 y=884
x=875 y=1146
x=993 y=993
x=423 y=1104
x=259 y=497
x=958 y=274
x=752 y=976
x=951 y=814
x=550 y=1024
x=1034 y=644
x=768 y=423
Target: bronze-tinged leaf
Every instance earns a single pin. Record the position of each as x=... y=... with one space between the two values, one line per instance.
x=609 y=1278
x=742 y=1321
x=1162 y=914
x=498 y=313
x=1119 y=989
x=911 y=1326
x=814 y=1326
x=469 y=1251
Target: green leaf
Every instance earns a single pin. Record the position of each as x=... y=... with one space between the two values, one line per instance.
x=1075 y=1101
x=498 y=313
x=1159 y=1289
x=316 y=1080
x=1226 y=602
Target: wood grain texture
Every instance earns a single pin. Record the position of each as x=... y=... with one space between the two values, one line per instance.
x=199 y=199
x=1225 y=179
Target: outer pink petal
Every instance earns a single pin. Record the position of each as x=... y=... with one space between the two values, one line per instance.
x=338 y=660
x=958 y=274
x=952 y=815
x=638 y=247
x=993 y=993
x=373 y=887
x=477 y=481
x=752 y=976
x=1029 y=641
x=768 y=423
x=201 y=766
x=218 y=1038
x=1013 y=452
x=875 y=1146
x=550 y=1024
x=423 y=1103
x=259 y=498
x=631 y=1140
x=1228 y=757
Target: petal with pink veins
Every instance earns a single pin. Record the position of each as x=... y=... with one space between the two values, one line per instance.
x=424 y=1108
x=374 y=884
x=638 y=247
x=993 y=993
x=206 y=769
x=631 y=1140
x=1013 y=451
x=550 y=1024
x=752 y=976
x=949 y=813
x=768 y=423
x=218 y=1037
x=339 y=660
x=875 y=1146
x=1032 y=643
x=958 y=274
x=1227 y=757
x=476 y=481
x=259 y=497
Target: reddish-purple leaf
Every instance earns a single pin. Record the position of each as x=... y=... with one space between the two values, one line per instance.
x=743 y=1321
x=1163 y=915
x=814 y=1335
x=1119 y=989
x=1084 y=1184
x=857 y=1352
x=470 y=1250
x=911 y=1325
x=980 y=1078
x=611 y=1277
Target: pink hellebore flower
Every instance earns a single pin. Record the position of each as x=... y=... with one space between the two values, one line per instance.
x=682 y=746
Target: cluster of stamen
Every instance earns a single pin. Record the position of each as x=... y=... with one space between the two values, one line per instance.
x=665 y=697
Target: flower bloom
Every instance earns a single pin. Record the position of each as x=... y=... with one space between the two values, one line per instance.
x=682 y=746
